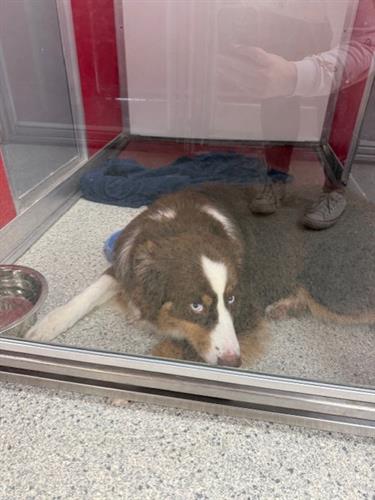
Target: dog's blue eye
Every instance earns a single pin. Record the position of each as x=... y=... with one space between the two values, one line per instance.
x=231 y=299
x=196 y=307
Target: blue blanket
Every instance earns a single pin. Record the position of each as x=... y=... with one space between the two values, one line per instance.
x=128 y=184
x=109 y=246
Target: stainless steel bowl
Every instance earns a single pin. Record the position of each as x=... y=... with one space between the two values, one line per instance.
x=22 y=293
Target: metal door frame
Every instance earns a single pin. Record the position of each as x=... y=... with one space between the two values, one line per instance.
x=192 y=386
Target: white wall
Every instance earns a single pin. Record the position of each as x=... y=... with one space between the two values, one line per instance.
x=173 y=50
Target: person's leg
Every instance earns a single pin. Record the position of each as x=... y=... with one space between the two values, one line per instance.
x=331 y=204
x=277 y=157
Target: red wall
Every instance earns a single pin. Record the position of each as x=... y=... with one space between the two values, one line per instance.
x=7 y=208
x=95 y=33
x=350 y=98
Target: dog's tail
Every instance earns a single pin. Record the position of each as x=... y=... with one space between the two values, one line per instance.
x=64 y=317
x=322 y=312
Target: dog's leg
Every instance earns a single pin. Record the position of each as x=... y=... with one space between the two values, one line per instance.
x=294 y=304
x=168 y=348
x=64 y=317
x=254 y=343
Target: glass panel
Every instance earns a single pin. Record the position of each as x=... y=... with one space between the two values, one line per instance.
x=36 y=117
x=272 y=264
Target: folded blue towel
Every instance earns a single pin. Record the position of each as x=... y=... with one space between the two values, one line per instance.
x=128 y=184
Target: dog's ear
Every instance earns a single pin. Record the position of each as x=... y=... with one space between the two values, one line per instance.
x=144 y=258
x=150 y=279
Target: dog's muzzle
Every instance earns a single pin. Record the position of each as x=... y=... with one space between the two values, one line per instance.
x=230 y=360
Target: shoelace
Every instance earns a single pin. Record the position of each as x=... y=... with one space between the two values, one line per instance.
x=325 y=204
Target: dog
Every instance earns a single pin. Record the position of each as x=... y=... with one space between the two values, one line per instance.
x=207 y=275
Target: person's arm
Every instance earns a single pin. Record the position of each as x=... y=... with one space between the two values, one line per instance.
x=264 y=75
x=321 y=74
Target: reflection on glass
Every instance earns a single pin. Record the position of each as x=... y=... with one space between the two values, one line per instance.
x=271 y=268
x=35 y=115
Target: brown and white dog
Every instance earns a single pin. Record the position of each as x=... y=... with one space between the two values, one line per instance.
x=204 y=273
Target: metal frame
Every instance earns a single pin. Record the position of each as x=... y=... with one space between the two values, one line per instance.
x=121 y=57
x=64 y=13
x=192 y=386
x=20 y=233
x=227 y=142
x=332 y=165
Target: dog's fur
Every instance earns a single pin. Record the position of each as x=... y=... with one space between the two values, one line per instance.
x=204 y=272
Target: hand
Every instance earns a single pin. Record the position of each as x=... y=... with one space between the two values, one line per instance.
x=258 y=72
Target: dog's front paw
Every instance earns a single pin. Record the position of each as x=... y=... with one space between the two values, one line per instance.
x=48 y=328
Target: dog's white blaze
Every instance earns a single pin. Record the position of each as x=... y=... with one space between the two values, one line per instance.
x=223 y=337
x=224 y=221
x=166 y=213
x=66 y=316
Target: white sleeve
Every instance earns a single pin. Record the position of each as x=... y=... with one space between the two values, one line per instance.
x=319 y=75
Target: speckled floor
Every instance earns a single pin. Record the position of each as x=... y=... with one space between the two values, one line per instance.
x=65 y=446
x=70 y=256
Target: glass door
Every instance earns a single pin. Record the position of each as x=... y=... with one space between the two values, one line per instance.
x=39 y=140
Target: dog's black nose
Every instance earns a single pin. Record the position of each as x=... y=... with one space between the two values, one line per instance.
x=230 y=360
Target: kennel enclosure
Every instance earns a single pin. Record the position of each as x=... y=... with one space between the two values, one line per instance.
x=82 y=80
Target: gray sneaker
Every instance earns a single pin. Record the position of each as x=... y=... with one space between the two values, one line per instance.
x=325 y=211
x=269 y=198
